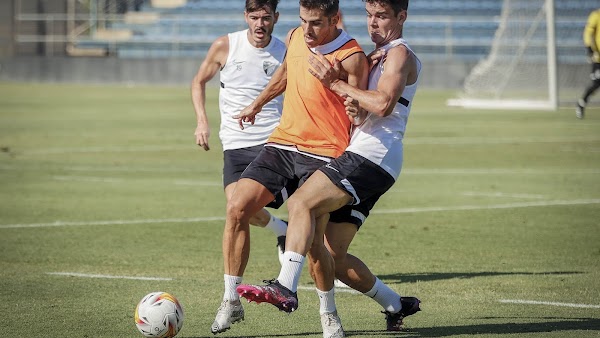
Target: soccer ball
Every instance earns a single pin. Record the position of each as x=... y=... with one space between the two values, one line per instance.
x=159 y=315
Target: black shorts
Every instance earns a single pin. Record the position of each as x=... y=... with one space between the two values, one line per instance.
x=362 y=179
x=235 y=161
x=277 y=169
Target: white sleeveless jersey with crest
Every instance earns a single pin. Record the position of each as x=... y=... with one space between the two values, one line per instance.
x=379 y=139
x=246 y=73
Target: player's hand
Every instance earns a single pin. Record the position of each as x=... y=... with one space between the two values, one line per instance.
x=375 y=56
x=324 y=71
x=202 y=134
x=248 y=114
x=353 y=110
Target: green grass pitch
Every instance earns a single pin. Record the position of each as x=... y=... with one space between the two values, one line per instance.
x=494 y=223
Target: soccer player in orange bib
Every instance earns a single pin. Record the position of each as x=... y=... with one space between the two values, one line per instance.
x=314 y=129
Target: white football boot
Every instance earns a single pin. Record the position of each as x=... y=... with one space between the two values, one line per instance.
x=230 y=311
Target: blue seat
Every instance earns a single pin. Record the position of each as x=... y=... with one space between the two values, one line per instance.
x=435 y=28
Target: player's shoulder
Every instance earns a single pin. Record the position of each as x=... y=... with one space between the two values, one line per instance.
x=222 y=42
x=277 y=42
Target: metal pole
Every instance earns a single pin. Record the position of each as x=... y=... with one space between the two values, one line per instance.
x=93 y=16
x=552 y=62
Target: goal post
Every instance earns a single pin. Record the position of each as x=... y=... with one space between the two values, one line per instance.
x=520 y=71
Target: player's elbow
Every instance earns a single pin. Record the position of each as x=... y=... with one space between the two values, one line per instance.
x=383 y=107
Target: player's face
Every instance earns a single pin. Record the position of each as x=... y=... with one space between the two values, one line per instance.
x=318 y=28
x=260 y=26
x=382 y=24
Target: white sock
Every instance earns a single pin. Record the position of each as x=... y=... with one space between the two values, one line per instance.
x=386 y=297
x=276 y=225
x=327 y=301
x=291 y=270
x=231 y=283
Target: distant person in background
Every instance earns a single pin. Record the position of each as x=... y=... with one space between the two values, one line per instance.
x=246 y=61
x=591 y=39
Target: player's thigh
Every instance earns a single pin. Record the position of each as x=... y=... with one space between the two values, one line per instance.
x=229 y=189
x=249 y=197
x=319 y=195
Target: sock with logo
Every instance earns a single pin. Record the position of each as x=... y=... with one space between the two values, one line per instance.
x=291 y=270
x=278 y=226
x=326 y=301
x=386 y=297
x=231 y=283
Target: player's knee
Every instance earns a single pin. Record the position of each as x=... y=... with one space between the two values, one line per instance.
x=297 y=204
x=339 y=258
x=236 y=211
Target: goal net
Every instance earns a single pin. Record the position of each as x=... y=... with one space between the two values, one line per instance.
x=520 y=69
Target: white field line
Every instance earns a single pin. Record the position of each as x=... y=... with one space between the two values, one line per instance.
x=95 y=179
x=199 y=183
x=534 y=302
x=406 y=171
x=88 y=179
x=337 y=289
x=410 y=140
x=487 y=207
x=495 y=140
x=127 y=169
x=380 y=211
x=501 y=194
x=113 y=222
x=111 y=149
x=86 y=275
x=498 y=171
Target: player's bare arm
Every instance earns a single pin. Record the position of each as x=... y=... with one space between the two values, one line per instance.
x=276 y=87
x=356 y=69
x=400 y=70
x=215 y=60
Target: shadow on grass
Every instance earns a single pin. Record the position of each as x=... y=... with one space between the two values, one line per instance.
x=551 y=325
x=427 y=277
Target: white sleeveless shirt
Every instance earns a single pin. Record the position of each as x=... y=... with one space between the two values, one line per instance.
x=246 y=73
x=379 y=139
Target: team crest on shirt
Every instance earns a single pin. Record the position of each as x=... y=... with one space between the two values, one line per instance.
x=269 y=67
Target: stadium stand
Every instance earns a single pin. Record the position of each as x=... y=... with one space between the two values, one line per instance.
x=457 y=29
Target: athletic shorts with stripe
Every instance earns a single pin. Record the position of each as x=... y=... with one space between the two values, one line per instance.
x=363 y=180
x=235 y=162
x=277 y=168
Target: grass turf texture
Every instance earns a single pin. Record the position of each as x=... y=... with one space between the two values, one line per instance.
x=96 y=180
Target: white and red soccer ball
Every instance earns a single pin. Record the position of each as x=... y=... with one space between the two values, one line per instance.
x=159 y=315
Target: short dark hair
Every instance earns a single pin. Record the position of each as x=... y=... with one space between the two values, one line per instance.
x=329 y=7
x=396 y=5
x=255 y=5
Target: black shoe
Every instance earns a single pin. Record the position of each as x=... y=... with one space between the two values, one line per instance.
x=280 y=248
x=410 y=306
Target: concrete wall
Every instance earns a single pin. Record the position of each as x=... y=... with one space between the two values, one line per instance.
x=6 y=28
x=442 y=74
